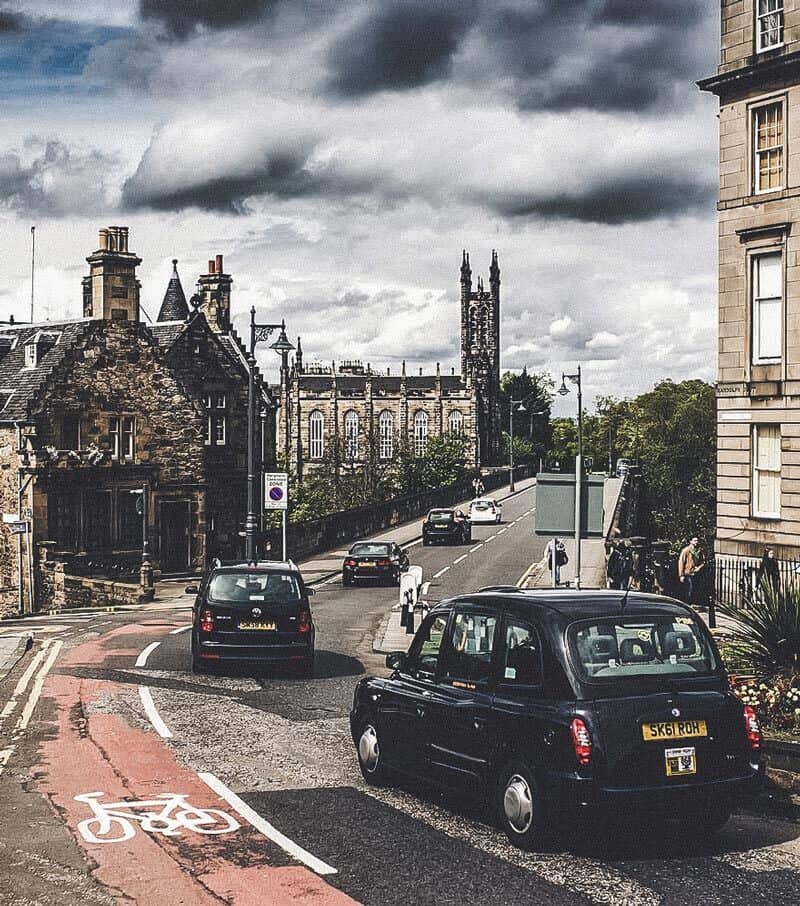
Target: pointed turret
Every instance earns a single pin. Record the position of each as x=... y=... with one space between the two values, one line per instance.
x=174 y=307
x=466 y=271
x=299 y=357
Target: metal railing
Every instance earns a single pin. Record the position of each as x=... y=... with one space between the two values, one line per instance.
x=736 y=580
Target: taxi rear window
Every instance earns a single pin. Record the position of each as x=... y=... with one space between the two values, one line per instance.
x=275 y=588
x=610 y=649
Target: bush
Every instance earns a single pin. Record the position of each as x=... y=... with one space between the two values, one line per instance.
x=776 y=702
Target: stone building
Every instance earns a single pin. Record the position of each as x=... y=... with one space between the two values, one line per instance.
x=93 y=410
x=758 y=421
x=364 y=413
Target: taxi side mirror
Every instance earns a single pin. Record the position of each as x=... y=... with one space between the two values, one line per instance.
x=192 y=590
x=396 y=660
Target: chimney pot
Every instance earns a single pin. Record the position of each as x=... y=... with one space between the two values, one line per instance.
x=219 y=264
x=211 y=265
x=103 y=240
x=420 y=372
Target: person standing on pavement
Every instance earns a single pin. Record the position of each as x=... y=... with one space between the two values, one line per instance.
x=769 y=571
x=477 y=486
x=690 y=562
x=556 y=555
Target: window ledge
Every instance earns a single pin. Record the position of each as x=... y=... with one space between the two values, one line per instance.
x=767 y=517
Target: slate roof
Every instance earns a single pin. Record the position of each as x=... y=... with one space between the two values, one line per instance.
x=382 y=385
x=174 y=307
x=165 y=334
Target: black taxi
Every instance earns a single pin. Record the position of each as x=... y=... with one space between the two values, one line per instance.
x=548 y=701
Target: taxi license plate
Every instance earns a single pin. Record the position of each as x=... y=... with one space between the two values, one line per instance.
x=257 y=627
x=673 y=729
x=680 y=762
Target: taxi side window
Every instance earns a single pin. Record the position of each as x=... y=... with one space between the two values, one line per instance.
x=468 y=654
x=523 y=656
x=423 y=656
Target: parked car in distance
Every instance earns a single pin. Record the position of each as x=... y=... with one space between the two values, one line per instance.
x=252 y=614
x=446 y=525
x=549 y=705
x=384 y=561
x=486 y=509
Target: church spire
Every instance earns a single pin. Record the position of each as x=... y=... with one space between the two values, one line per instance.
x=174 y=307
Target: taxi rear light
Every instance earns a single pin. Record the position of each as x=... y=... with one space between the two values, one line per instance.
x=304 y=621
x=206 y=621
x=581 y=741
x=349 y=562
x=752 y=728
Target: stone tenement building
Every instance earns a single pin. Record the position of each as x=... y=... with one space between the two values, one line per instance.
x=93 y=409
x=758 y=421
x=351 y=414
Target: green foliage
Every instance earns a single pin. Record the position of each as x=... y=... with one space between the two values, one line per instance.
x=444 y=463
x=766 y=631
x=533 y=424
x=524 y=450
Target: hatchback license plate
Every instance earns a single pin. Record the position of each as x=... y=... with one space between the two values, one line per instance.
x=257 y=627
x=680 y=761
x=674 y=729
x=366 y=564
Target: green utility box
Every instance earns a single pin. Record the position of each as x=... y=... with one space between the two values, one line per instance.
x=555 y=505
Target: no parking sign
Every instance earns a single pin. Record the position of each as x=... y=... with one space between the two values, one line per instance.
x=276 y=491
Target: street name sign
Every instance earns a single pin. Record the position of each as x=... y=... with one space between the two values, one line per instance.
x=276 y=491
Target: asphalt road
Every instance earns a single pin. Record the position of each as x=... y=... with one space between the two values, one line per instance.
x=283 y=745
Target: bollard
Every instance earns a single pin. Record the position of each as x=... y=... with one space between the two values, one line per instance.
x=712 y=613
x=410 y=622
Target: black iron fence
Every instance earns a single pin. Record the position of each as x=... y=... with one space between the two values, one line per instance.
x=737 y=580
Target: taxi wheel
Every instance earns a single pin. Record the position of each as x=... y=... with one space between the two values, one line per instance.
x=519 y=806
x=370 y=756
x=346 y=580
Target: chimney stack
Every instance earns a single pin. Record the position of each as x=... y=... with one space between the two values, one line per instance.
x=111 y=291
x=215 y=294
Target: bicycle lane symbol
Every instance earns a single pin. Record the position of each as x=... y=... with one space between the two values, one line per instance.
x=167 y=813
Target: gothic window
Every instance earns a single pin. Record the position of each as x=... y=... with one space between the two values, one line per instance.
x=216 y=419
x=122 y=431
x=316 y=438
x=386 y=434
x=485 y=331
x=420 y=433
x=351 y=435
x=456 y=422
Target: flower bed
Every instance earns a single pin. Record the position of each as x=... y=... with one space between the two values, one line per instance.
x=776 y=701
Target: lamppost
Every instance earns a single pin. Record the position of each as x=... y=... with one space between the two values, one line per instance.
x=563 y=391
x=258 y=333
x=146 y=569
x=520 y=406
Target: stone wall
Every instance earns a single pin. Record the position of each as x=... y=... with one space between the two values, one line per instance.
x=57 y=590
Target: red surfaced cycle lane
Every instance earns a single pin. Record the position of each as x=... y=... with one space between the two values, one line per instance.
x=93 y=752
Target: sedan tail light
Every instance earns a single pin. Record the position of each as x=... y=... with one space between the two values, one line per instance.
x=581 y=741
x=752 y=728
x=384 y=562
x=206 y=621
x=304 y=621
x=349 y=562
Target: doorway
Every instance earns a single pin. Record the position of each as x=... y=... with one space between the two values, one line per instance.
x=175 y=539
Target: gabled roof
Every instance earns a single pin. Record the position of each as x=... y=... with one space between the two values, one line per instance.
x=174 y=307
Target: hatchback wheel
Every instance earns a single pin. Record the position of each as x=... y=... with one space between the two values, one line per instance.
x=370 y=756
x=520 y=808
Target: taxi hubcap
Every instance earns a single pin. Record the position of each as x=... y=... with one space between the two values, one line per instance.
x=368 y=749
x=518 y=803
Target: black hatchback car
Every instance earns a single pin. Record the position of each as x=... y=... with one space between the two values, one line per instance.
x=252 y=614
x=546 y=702
x=381 y=560
x=446 y=525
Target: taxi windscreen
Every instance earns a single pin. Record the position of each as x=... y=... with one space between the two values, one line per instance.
x=667 y=645
x=275 y=588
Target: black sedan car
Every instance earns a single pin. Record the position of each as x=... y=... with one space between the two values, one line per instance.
x=252 y=614
x=383 y=561
x=446 y=525
x=545 y=703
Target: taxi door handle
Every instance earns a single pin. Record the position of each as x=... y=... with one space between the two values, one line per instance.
x=479 y=723
x=420 y=711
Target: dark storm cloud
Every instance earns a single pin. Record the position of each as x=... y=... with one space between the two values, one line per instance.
x=181 y=17
x=9 y=22
x=649 y=12
x=398 y=46
x=614 y=201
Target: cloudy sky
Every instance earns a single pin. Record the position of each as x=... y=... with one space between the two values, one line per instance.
x=341 y=153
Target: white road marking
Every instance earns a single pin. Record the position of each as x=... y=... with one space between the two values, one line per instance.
x=141 y=661
x=22 y=685
x=152 y=714
x=180 y=629
x=512 y=523
x=411 y=544
x=262 y=825
x=424 y=589
x=441 y=572
x=477 y=547
x=502 y=530
x=462 y=557
x=490 y=538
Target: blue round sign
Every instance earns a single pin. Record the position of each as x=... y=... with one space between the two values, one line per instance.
x=276 y=493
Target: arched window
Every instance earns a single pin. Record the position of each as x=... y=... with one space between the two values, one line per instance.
x=456 y=422
x=316 y=434
x=420 y=433
x=351 y=435
x=386 y=435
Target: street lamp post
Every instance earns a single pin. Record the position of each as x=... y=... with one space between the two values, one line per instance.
x=258 y=333
x=563 y=391
x=520 y=404
x=146 y=569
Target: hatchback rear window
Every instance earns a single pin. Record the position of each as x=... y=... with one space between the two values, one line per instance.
x=441 y=516
x=274 y=588
x=483 y=505
x=667 y=645
x=370 y=550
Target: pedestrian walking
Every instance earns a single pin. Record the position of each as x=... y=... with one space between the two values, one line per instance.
x=690 y=562
x=477 y=486
x=615 y=566
x=769 y=573
x=557 y=557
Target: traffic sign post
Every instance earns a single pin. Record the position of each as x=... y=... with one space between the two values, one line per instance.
x=276 y=497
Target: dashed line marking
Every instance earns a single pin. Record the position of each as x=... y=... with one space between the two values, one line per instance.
x=180 y=629
x=262 y=825
x=141 y=661
x=502 y=531
x=441 y=572
x=425 y=587
x=512 y=523
x=462 y=557
x=490 y=538
x=152 y=714
x=22 y=685
x=477 y=547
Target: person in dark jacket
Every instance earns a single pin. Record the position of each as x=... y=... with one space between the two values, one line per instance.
x=769 y=571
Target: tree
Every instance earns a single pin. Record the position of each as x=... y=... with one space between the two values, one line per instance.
x=442 y=464
x=532 y=425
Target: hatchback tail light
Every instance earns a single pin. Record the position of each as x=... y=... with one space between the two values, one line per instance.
x=206 y=621
x=752 y=728
x=581 y=741
x=304 y=621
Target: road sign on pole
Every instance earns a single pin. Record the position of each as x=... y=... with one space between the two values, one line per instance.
x=276 y=491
